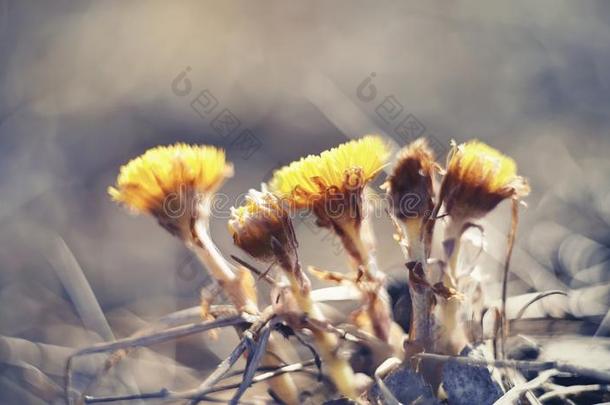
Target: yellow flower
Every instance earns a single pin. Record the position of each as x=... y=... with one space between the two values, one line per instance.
x=350 y=165
x=478 y=178
x=262 y=228
x=166 y=182
x=410 y=184
x=331 y=185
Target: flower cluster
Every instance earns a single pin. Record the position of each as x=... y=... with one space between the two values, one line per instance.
x=176 y=183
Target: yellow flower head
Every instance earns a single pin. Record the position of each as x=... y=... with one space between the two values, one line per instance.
x=167 y=180
x=478 y=178
x=349 y=165
x=410 y=185
x=263 y=229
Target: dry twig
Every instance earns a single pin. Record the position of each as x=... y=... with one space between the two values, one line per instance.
x=562 y=392
x=199 y=394
x=150 y=339
x=512 y=395
x=538 y=297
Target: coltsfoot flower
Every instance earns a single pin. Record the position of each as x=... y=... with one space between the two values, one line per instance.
x=263 y=229
x=331 y=185
x=344 y=168
x=411 y=189
x=411 y=183
x=171 y=183
x=478 y=178
x=175 y=184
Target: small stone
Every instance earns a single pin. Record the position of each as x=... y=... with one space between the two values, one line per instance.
x=467 y=385
x=407 y=387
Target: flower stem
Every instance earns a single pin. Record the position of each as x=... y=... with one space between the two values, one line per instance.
x=452 y=337
x=241 y=294
x=421 y=295
x=327 y=343
x=509 y=250
x=377 y=305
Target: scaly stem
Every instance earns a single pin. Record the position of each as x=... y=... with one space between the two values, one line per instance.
x=421 y=295
x=452 y=335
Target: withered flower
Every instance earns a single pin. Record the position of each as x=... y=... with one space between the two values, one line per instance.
x=478 y=178
x=410 y=184
x=172 y=183
x=263 y=229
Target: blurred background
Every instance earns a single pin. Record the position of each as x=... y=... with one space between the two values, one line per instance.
x=86 y=86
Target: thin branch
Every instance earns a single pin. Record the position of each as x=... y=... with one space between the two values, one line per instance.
x=222 y=369
x=189 y=315
x=150 y=339
x=509 y=251
x=573 y=390
x=264 y=369
x=246 y=343
x=540 y=296
x=168 y=395
x=261 y=275
x=286 y=331
x=512 y=395
x=259 y=378
x=254 y=358
x=317 y=360
x=168 y=334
